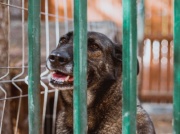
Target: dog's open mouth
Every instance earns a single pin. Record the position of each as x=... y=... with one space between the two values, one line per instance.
x=61 y=80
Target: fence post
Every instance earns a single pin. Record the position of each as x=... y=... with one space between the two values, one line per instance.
x=129 y=66
x=80 y=67
x=176 y=96
x=34 y=66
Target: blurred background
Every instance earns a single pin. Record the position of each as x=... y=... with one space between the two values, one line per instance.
x=155 y=55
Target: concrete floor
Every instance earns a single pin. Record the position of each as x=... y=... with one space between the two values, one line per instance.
x=161 y=115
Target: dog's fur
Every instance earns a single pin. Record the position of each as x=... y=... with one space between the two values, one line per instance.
x=104 y=93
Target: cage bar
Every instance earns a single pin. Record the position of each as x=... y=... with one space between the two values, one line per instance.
x=80 y=67
x=34 y=67
x=176 y=96
x=129 y=66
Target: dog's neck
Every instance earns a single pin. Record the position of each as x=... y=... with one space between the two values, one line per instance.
x=99 y=103
x=108 y=96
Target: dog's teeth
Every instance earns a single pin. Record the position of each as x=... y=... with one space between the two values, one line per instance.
x=61 y=80
x=67 y=78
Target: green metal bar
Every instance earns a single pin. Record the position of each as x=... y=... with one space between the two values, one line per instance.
x=140 y=20
x=176 y=96
x=129 y=66
x=34 y=67
x=80 y=67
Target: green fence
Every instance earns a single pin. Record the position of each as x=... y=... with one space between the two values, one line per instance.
x=129 y=66
x=80 y=66
x=176 y=98
x=34 y=67
x=80 y=60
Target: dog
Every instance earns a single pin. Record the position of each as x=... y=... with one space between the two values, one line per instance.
x=104 y=86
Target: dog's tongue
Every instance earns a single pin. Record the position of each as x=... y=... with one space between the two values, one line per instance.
x=61 y=76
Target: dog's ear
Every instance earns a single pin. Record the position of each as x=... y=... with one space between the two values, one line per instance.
x=117 y=55
x=117 y=52
x=137 y=67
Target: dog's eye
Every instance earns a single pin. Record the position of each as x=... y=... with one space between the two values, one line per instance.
x=93 y=47
x=62 y=40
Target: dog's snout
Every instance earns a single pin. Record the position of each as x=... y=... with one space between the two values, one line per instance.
x=59 y=58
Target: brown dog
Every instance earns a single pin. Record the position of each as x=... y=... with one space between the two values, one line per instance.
x=104 y=97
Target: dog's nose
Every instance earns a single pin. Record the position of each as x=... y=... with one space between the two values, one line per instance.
x=59 y=58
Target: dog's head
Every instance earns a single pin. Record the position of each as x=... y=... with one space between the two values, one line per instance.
x=104 y=61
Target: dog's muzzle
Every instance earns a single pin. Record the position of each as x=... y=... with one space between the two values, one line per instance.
x=60 y=76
